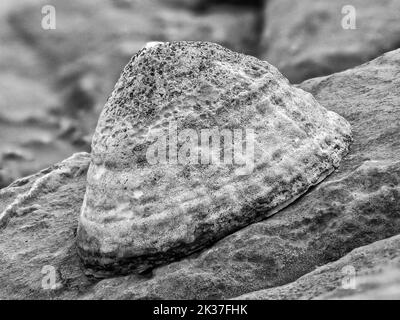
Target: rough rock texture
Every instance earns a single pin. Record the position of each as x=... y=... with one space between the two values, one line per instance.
x=357 y=205
x=369 y=272
x=38 y=221
x=138 y=213
x=305 y=39
x=323 y=226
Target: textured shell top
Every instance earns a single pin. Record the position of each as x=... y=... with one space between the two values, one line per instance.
x=139 y=213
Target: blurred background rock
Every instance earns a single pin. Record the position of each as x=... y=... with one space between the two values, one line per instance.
x=54 y=83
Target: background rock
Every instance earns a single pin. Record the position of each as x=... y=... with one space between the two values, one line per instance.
x=368 y=272
x=27 y=127
x=305 y=39
x=355 y=206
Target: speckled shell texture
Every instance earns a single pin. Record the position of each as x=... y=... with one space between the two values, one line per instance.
x=137 y=215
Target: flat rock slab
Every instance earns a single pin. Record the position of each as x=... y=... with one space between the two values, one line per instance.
x=38 y=222
x=196 y=142
x=368 y=272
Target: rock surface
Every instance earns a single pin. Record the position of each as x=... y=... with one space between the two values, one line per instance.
x=141 y=212
x=357 y=205
x=305 y=39
x=368 y=272
x=338 y=216
x=38 y=222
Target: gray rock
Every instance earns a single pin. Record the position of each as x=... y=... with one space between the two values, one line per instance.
x=357 y=205
x=368 y=272
x=305 y=39
x=141 y=212
x=38 y=221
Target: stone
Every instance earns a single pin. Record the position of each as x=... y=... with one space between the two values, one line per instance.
x=139 y=213
x=356 y=205
x=312 y=232
x=306 y=39
x=38 y=222
x=368 y=272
